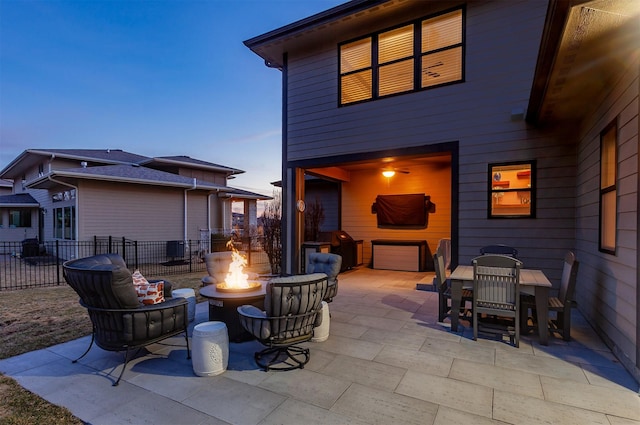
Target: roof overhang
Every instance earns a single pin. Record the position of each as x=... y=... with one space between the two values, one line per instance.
x=585 y=49
x=72 y=176
x=345 y=21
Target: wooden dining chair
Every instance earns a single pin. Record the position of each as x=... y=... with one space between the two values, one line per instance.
x=561 y=304
x=444 y=289
x=496 y=292
x=499 y=249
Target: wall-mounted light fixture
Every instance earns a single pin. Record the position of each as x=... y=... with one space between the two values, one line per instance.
x=388 y=173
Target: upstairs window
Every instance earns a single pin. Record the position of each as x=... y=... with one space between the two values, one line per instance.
x=608 y=189
x=416 y=56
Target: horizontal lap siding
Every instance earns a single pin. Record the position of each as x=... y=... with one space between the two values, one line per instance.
x=607 y=285
x=138 y=212
x=360 y=193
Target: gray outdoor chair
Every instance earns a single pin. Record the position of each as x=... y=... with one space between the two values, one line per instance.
x=496 y=292
x=563 y=302
x=290 y=314
x=444 y=289
x=120 y=322
x=329 y=264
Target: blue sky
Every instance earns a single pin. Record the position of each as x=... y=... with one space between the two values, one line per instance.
x=155 y=78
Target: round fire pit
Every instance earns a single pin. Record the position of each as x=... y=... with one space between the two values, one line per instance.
x=253 y=286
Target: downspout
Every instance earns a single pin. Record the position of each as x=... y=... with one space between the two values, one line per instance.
x=185 y=208
x=209 y=210
x=75 y=221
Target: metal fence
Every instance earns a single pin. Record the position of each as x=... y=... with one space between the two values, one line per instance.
x=30 y=264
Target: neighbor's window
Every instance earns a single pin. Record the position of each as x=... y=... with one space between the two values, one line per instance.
x=64 y=223
x=608 y=192
x=512 y=190
x=385 y=63
x=20 y=217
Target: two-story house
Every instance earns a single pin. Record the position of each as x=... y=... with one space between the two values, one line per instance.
x=518 y=119
x=76 y=194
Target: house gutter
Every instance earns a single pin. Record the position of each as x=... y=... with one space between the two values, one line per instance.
x=185 y=208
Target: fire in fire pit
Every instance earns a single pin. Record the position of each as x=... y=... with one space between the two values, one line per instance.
x=237 y=280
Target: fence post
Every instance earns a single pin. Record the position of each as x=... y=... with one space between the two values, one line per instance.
x=190 y=256
x=110 y=251
x=135 y=249
x=95 y=245
x=124 y=249
x=58 y=262
x=249 y=250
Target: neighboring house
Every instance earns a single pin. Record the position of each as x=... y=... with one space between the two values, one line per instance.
x=518 y=118
x=76 y=194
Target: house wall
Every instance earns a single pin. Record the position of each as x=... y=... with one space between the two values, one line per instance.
x=146 y=213
x=607 y=285
x=360 y=193
x=328 y=195
x=476 y=113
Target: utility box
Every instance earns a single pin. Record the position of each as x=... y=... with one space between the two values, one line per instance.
x=175 y=249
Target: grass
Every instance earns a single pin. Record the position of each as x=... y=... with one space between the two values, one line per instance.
x=37 y=318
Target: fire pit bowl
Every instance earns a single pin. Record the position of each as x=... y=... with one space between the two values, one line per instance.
x=253 y=286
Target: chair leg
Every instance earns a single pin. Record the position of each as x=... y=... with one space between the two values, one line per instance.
x=289 y=358
x=93 y=337
x=186 y=337
x=564 y=318
x=124 y=366
x=475 y=326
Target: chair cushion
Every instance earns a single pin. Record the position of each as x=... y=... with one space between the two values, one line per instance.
x=254 y=320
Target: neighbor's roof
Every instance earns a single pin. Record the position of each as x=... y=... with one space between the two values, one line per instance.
x=191 y=163
x=123 y=173
x=31 y=157
x=245 y=194
x=18 y=200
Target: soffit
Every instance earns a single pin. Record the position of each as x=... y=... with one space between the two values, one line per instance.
x=592 y=53
x=344 y=22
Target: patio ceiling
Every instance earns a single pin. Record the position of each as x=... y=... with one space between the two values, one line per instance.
x=342 y=172
x=585 y=48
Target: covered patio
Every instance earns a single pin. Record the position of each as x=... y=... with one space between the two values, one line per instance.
x=387 y=361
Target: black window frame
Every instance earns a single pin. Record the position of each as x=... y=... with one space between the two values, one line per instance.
x=417 y=58
x=491 y=191
x=608 y=189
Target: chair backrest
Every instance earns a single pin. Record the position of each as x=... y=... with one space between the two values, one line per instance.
x=102 y=281
x=295 y=301
x=444 y=250
x=500 y=250
x=569 y=277
x=441 y=277
x=496 y=282
x=322 y=262
x=218 y=264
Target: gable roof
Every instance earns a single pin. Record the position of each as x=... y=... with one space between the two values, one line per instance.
x=31 y=157
x=124 y=173
x=18 y=200
x=183 y=160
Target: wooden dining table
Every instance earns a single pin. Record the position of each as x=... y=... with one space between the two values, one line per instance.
x=532 y=282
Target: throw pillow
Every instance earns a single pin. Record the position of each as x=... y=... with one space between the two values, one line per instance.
x=149 y=293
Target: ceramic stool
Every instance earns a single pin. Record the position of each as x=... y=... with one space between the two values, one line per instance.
x=210 y=351
x=321 y=333
x=190 y=295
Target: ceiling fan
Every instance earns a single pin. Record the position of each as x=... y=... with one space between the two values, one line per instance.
x=391 y=171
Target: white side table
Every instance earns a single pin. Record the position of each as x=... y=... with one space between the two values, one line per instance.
x=210 y=351
x=190 y=295
x=321 y=333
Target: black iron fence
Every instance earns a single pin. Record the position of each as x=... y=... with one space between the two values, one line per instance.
x=31 y=263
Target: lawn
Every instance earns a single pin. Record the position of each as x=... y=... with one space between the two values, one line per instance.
x=38 y=318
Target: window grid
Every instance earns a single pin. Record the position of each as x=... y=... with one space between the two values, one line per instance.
x=416 y=56
x=608 y=189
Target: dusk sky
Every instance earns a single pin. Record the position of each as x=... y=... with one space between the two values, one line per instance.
x=156 y=78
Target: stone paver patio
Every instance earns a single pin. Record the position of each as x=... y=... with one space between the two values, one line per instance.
x=387 y=361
